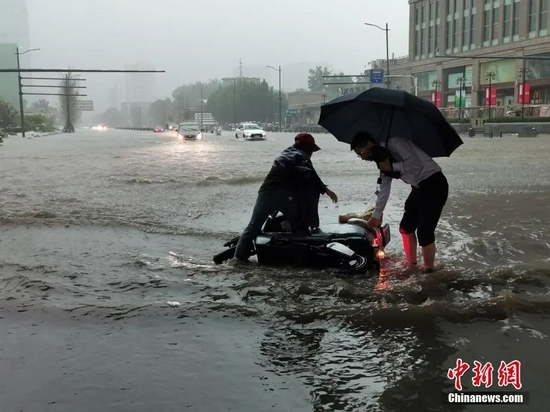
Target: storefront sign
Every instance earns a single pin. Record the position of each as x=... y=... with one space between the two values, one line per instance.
x=490 y=96
x=524 y=93
x=436 y=99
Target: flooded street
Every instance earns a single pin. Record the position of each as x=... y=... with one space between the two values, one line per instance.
x=107 y=284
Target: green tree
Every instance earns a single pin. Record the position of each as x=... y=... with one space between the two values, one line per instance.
x=187 y=96
x=40 y=123
x=251 y=102
x=315 y=82
x=68 y=109
x=43 y=106
x=8 y=115
x=315 y=79
x=161 y=111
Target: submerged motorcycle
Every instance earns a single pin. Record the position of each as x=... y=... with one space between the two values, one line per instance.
x=351 y=247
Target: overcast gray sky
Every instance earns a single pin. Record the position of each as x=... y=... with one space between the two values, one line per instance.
x=195 y=40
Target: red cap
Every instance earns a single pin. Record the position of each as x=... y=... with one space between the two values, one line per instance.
x=307 y=140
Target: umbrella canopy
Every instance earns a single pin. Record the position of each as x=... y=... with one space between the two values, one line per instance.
x=387 y=113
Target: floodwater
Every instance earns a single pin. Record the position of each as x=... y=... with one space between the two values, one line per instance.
x=110 y=300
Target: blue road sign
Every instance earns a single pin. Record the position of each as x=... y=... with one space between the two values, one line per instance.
x=377 y=76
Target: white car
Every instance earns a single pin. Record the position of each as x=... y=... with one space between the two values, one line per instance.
x=250 y=131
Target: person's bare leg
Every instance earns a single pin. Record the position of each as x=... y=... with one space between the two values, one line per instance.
x=409 y=245
x=428 y=254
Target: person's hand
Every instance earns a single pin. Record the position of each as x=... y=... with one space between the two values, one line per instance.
x=332 y=195
x=374 y=223
x=385 y=166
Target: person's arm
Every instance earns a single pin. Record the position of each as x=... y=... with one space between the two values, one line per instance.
x=407 y=152
x=382 y=197
x=306 y=172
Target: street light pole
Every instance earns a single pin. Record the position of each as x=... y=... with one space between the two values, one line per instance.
x=280 y=103
x=387 y=30
x=460 y=82
x=490 y=76
x=21 y=111
x=201 y=109
x=280 y=97
x=523 y=74
x=235 y=101
x=436 y=83
x=387 y=54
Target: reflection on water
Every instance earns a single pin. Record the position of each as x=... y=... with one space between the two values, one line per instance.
x=120 y=225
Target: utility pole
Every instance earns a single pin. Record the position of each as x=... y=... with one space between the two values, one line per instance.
x=490 y=76
x=460 y=81
x=235 y=101
x=201 y=109
x=21 y=107
x=280 y=97
x=387 y=54
x=19 y=70
x=387 y=30
x=523 y=73
x=69 y=128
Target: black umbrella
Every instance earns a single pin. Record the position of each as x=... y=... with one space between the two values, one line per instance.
x=385 y=113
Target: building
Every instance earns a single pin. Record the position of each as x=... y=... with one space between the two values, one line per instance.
x=136 y=114
x=14 y=32
x=304 y=107
x=14 y=23
x=9 y=86
x=140 y=87
x=481 y=33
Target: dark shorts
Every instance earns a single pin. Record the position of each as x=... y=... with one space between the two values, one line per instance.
x=423 y=208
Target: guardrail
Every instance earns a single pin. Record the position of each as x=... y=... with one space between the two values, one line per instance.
x=140 y=129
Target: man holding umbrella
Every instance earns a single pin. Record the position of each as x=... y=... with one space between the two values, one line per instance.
x=403 y=160
x=402 y=133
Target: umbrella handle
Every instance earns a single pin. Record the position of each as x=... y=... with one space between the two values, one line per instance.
x=389 y=126
x=379 y=181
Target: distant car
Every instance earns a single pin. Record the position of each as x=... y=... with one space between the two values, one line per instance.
x=189 y=131
x=250 y=131
x=158 y=129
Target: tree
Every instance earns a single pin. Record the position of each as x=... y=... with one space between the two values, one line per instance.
x=8 y=115
x=40 y=122
x=188 y=96
x=43 y=107
x=315 y=79
x=252 y=101
x=161 y=111
x=315 y=82
x=68 y=103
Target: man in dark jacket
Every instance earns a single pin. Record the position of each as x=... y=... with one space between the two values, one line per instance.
x=292 y=187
